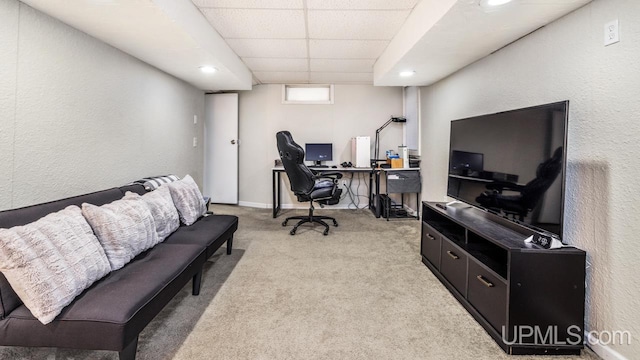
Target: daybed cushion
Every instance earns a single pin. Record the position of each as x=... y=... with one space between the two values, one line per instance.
x=187 y=199
x=162 y=209
x=124 y=227
x=111 y=313
x=210 y=232
x=51 y=261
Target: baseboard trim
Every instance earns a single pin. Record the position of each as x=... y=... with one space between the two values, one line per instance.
x=254 y=205
x=303 y=206
x=604 y=351
x=291 y=206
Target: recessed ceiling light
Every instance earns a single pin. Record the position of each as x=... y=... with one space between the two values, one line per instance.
x=407 y=73
x=208 y=69
x=494 y=2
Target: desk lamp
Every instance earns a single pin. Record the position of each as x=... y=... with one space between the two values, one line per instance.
x=377 y=142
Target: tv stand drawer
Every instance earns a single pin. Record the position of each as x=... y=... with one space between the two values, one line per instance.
x=454 y=265
x=488 y=294
x=431 y=243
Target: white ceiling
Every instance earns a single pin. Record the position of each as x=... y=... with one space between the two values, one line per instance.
x=306 y=41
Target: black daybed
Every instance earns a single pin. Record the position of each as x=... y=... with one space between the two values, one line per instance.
x=111 y=313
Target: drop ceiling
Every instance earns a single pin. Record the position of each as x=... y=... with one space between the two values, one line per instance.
x=306 y=41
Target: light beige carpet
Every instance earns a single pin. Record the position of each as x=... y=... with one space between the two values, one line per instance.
x=359 y=293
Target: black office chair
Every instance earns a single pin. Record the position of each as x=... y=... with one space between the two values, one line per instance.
x=306 y=184
x=519 y=205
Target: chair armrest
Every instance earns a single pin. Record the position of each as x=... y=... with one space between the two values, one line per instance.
x=328 y=175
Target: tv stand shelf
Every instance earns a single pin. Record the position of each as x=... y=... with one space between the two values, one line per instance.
x=510 y=287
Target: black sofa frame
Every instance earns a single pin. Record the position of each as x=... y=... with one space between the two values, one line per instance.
x=142 y=288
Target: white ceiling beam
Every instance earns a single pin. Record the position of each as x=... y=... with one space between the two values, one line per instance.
x=172 y=36
x=421 y=20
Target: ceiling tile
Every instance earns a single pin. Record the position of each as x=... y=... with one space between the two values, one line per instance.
x=346 y=49
x=282 y=77
x=361 y=25
x=362 y=4
x=250 y=4
x=276 y=64
x=269 y=48
x=257 y=23
x=341 y=78
x=342 y=65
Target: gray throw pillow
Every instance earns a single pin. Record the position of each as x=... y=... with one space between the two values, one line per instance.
x=162 y=209
x=188 y=199
x=125 y=228
x=51 y=261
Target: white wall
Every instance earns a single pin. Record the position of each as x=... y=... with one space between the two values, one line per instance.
x=77 y=115
x=358 y=111
x=567 y=60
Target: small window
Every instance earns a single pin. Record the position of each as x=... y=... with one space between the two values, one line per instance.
x=307 y=94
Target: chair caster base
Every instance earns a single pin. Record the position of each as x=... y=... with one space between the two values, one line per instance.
x=311 y=219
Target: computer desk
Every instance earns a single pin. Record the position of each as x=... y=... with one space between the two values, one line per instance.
x=374 y=174
x=276 y=177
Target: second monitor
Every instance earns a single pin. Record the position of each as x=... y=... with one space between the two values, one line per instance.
x=318 y=153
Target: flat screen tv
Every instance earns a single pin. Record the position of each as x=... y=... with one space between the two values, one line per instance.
x=512 y=164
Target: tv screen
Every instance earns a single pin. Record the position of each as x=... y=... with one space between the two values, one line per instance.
x=512 y=164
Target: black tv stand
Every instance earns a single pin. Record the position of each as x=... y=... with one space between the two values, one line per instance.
x=507 y=285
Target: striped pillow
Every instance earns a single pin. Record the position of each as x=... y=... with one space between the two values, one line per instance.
x=154 y=182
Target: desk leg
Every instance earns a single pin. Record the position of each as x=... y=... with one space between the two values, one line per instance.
x=373 y=204
x=370 y=189
x=377 y=203
x=275 y=191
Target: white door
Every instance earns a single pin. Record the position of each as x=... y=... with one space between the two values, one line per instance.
x=221 y=148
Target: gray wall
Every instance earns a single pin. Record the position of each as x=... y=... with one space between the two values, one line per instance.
x=411 y=113
x=358 y=111
x=567 y=60
x=77 y=115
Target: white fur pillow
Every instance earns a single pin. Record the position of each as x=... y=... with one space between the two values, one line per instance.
x=124 y=227
x=51 y=261
x=162 y=209
x=188 y=199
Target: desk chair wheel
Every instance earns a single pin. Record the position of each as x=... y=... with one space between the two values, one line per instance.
x=284 y=223
x=326 y=232
x=335 y=223
x=292 y=232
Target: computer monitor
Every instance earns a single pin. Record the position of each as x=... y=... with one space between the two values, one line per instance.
x=318 y=153
x=466 y=163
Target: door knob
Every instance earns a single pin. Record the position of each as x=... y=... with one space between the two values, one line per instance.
x=233 y=142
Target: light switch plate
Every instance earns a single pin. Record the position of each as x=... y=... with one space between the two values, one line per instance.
x=611 y=32
x=195 y=119
x=195 y=141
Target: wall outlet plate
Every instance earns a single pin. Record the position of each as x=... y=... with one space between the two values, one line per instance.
x=611 y=32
